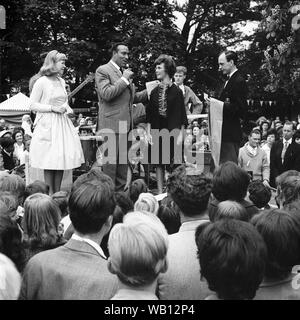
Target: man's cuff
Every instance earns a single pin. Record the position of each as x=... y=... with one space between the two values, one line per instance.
x=125 y=80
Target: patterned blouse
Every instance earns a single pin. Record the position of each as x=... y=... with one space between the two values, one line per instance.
x=162 y=98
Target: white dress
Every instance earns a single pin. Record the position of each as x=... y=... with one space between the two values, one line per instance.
x=55 y=145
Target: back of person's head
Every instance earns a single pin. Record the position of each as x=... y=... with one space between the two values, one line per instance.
x=94 y=174
x=137 y=187
x=146 y=202
x=10 y=279
x=138 y=249
x=281 y=233
x=11 y=241
x=6 y=142
x=14 y=184
x=189 y=190
x=41 y=221
x=290 y=173
x=91 y=204
x=123 y=201
x=289 y=190
x=259 y=194
x=230 y=182
x=8 y=204
x=37 y=186
x=170 y=218
x=232 y=257
x=293 y=207
x=229 y=210
x=61 y=199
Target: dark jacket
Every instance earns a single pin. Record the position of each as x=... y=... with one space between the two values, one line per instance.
x=8 y=161
x=176 y=113
x=291 y=159
x=235 y=97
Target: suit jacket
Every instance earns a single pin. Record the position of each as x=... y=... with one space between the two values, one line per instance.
x=291 y=159
x=191 y=98
x=115 y=98
x=234 y=94
x=182 y=279
x=176 y=114
x=74 y=271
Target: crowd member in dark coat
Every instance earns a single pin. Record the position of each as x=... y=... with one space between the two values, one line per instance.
x=230 y=182
x=7 y=146
x=234 y=96
x=285 y=154
x=166 y=110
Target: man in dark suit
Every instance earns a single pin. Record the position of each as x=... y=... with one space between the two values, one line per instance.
x=285 y=154
x=78 y=270
x=234 y=96
x=116 y=94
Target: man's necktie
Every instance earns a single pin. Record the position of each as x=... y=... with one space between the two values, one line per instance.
x=285 y=146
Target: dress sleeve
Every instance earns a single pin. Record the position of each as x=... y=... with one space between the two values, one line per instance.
x=36 y=96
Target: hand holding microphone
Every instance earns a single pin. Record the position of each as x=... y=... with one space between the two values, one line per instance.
x=127 y=73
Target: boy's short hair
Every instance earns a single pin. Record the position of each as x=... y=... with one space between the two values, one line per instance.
x=232 y=257
x=259 y=194
x=138 y=249
x=229 y=210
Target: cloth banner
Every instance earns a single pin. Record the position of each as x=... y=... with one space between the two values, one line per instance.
x=215 y=127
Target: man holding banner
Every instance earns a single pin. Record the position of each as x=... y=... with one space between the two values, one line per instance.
x=225 y=113
x=234 y=96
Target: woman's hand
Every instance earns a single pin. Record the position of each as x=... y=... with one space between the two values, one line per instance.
x=71 y=115
x=58 y=109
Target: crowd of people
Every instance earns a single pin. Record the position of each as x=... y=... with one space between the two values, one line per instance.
x=208 y=237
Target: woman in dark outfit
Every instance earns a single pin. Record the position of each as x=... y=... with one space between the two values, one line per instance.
x=166 y=110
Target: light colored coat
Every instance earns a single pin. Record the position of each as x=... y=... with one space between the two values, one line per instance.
x=75 y=271
x=258 y=164
x=182 y=279
x=115 y=98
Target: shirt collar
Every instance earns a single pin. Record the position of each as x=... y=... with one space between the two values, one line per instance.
x=91 y=243
x=193 y=224
x=115 y=65
x=288 y=141
x=230 y=75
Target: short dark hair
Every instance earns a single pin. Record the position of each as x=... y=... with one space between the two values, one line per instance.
x=296 y=135
x=91 y=203
x=272 y=131
x=255 y=131
x=94 y=174
x=124 y=201
x=189 y=190
x=137 y=187
x=259 y=194
x=6 y=142
x=230 y=182
x=168 y=61
x=281 y=233
x=169 y=217
x=289 y=123
x=11 y=241
x=232 y=257
x=230 y=55
x=37 y=186
x=114 y=46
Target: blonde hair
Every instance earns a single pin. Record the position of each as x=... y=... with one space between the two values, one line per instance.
x=10 y=279
x=41 y=221
x=146 y=202
x=138 y=249
x=49 y=66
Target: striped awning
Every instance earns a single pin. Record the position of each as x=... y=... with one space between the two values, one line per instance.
x=18 y=102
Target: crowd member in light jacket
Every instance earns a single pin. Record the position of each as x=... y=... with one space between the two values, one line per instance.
x=253 y=159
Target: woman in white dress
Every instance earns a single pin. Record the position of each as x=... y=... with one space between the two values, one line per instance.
x=55 y=145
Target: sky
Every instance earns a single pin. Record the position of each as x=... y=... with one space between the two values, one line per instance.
x=248 y=29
